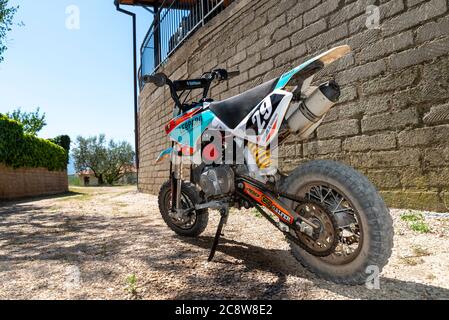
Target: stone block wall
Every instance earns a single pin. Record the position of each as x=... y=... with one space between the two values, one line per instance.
x=392 y=121
x=30 y=182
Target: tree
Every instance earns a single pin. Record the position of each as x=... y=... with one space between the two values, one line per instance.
x=120 y=158
x=63 y=141
x=91 y=153
x=108 y=161
x=6 y=22
x=33 y=122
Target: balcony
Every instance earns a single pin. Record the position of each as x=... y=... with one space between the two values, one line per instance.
x=174 y=22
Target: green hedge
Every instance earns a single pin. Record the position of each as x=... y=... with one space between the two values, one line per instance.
x=23 y=150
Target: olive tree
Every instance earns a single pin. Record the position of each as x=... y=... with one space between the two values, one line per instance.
x=108 y=161
x=33 y=122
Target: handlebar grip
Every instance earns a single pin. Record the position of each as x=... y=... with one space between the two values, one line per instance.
x=159 y=79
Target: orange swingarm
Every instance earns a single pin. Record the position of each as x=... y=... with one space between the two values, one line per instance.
x=269 y=202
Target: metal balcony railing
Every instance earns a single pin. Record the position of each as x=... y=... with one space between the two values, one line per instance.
x=174 y=22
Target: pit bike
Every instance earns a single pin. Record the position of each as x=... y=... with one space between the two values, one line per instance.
x=336 y=222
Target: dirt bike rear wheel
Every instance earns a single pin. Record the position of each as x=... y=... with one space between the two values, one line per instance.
x=365 y=225
x=198 y=219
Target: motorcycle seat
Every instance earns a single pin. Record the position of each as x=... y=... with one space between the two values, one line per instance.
x=232 y=111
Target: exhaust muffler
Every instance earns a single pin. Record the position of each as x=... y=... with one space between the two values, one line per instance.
x=308 y=114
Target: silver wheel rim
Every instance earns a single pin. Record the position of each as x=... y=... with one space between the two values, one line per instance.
x=186 y=204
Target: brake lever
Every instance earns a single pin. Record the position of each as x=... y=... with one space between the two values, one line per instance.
x=221 y=74
x=232 y=74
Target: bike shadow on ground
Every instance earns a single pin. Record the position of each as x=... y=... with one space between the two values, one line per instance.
x=282 y=264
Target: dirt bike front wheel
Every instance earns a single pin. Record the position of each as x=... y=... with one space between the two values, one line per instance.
x=195 y=222
x=364 y=224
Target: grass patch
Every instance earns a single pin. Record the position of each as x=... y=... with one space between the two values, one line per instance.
x=411 y=216
x=80 y=197
x=74 y=181
x=85 y=190
x=419 y=226
x=131 y=284
x=416 y=221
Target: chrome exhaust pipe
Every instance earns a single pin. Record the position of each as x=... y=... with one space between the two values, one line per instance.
x=311 y=111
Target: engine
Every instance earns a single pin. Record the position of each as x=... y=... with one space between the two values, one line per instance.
x=215 y=180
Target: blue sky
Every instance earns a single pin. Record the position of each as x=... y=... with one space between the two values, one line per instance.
x=81 y=79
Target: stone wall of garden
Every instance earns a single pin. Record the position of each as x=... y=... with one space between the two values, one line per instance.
x=31 y=182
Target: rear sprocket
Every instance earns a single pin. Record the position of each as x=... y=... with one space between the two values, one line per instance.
x=324 y=239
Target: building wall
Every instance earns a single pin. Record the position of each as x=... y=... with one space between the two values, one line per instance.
x=30 y=182
x=396 y=75
x=93 y=181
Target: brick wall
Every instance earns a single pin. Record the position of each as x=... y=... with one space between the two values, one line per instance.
x=29 y=182
x=396 y=75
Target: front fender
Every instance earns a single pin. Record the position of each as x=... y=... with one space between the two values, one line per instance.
x=164 y=155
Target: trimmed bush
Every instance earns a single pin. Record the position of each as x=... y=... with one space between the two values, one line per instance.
x=23 y=150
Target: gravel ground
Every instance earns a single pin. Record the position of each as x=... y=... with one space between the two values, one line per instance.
x=111 y=243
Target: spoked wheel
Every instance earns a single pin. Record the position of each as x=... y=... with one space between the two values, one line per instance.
x=191 y=224
x=364 y=225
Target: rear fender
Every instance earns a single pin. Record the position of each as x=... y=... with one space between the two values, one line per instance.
x=302 y=75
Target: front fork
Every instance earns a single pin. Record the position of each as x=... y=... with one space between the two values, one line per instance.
x=176 y=182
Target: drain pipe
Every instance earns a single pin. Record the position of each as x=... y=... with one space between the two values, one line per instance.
x=136 y=121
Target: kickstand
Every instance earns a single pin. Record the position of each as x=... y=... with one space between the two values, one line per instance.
x=224 y=212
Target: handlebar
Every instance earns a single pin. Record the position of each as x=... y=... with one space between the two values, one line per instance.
x=160 y=80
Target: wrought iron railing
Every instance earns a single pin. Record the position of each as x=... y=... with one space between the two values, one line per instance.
x=174 y=22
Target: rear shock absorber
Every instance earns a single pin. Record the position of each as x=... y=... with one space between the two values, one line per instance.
x=262 y=155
